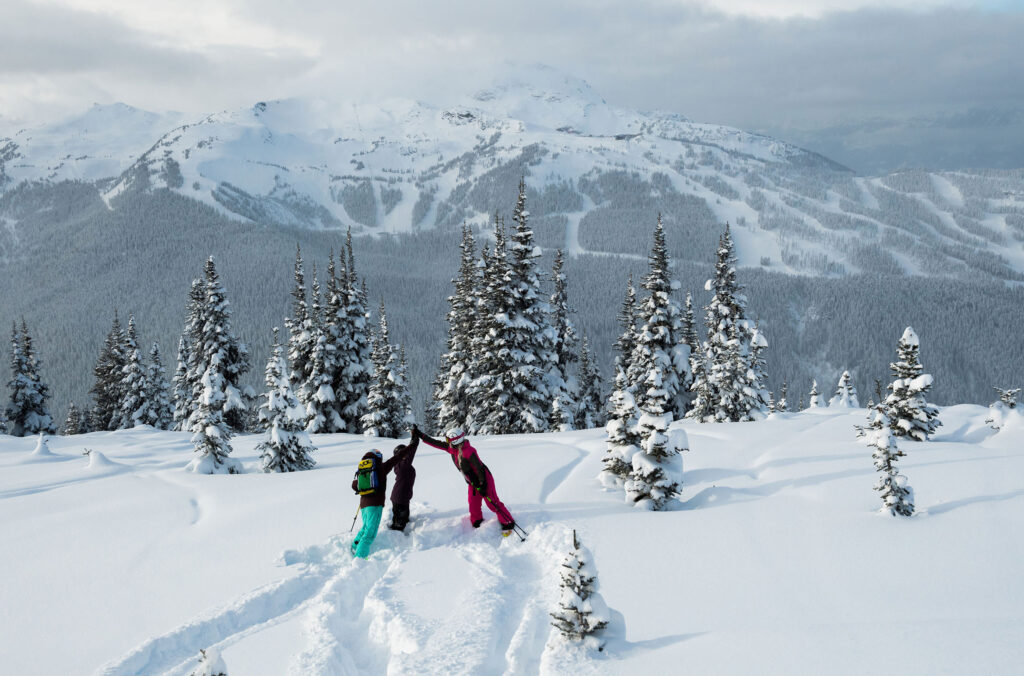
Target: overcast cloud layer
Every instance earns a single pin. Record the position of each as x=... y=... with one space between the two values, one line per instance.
x=911 y=83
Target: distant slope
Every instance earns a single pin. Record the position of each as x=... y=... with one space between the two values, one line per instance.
x=118 y=207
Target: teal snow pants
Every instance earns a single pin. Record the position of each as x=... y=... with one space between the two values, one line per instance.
x=366 y=534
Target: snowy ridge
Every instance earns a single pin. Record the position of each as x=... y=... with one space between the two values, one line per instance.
x=399 y=165
x=775 y=555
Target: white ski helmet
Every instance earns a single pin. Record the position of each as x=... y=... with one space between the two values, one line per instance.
x=455 y=436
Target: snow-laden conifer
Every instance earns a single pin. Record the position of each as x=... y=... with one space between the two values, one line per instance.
x=656 y=476
x=387 y=406
x=354 y=362
x=160 y=412
x=109 y=373
x=813 y=400
x=729 y=376
x=908 y=411
x=134 y=382
x=211 y=435
x=317 y=391
x=286 y=446
x=73 y=423
x=897 y=496
x=27 y=411
x=562 y=381
x=218 y=358
x=846 y=393
x=495 y=405
x=186 y=386
x=623 y=436
x=590 y=406
x=181 y=387
x=531 y=339
x=659 y=316
x=581 y=613
x=782 y=405
x=335 y=317
x=627 y=320
x=455 y=375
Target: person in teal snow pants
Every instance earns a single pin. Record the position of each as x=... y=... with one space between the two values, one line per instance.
x=371 y=505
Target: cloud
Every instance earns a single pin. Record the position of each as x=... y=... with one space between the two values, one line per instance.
x=768 y=64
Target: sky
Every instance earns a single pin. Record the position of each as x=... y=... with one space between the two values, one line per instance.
x=876 y=85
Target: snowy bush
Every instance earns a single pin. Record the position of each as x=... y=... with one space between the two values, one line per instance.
x=1005 y=410
x=210 y=664
x=582 y=613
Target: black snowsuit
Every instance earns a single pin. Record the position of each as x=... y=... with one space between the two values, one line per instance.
x=405 y=477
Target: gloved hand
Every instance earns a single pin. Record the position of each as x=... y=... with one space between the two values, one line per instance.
x=415 y=431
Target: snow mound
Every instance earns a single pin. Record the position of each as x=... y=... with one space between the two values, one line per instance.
x=98 y=461
x=42 y=449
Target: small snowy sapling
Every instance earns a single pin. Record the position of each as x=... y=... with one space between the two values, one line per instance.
x=581 y=614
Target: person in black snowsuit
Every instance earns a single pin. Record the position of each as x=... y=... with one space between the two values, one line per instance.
x=405 y=477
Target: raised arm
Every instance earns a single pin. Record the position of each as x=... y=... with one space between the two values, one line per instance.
x=436 y=443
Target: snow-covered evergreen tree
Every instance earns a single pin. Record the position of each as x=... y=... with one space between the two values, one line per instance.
x=211 y=435
x=813 y=401
x=623 y=436
x=301 y=332
x=455 y=376
x=160 y=412
x=562 y=382
x=354 y=369
x=897 y=496
x=387 y=405
x=512 y=351
x=317 y=391
x=581 y=614
x=782 y=405
x=27 y=412
x=656 y=476
x=286 y=447
x=590 y=407
x=908 y=411
x=182 y=387
x=109 y=374
x=73 y=424
x=846 y=393
x=218 y=358
x=135 y=388
x=660 y=318
x=729 y=375
x=627 y=320
x=530 y=337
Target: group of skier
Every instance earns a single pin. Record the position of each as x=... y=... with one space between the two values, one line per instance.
x=371 y=481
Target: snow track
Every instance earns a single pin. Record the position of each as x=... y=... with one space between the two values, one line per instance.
x=447 y=598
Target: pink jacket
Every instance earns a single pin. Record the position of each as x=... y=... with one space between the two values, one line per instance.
x=466 y=461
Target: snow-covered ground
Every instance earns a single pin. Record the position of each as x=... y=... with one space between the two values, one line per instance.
x=775 y=561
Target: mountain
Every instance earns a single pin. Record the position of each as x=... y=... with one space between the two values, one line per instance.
x=774 y=561
x=126 y=204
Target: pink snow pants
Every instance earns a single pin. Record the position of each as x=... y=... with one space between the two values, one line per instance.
x=495 y=505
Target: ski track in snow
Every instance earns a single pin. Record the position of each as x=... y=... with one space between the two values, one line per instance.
x=356 y=622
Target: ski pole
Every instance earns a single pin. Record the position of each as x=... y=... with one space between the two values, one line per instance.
x=354 y=520
x=515 y=526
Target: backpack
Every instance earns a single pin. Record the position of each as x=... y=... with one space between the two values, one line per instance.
x=368 y=475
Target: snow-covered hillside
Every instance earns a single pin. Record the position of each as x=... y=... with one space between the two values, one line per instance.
x=774 y=562
x=398 y=166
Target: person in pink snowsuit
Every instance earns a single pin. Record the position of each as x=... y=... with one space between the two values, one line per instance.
x=478 y=477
